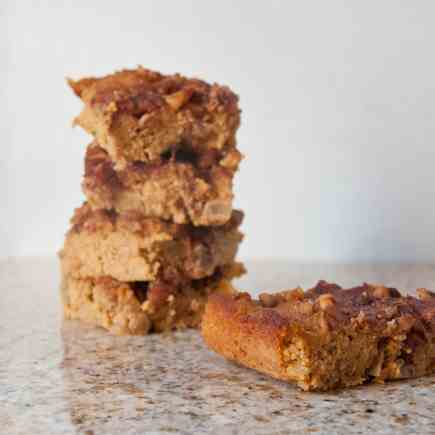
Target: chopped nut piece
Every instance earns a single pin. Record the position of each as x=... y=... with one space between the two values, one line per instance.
x=385 y=292
x=178 y=99
x=231 y=160
x=425 y=294
x=326 y=301
x=268 y=300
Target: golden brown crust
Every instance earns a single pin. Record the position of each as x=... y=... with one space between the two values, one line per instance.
x=139 y=114
x=128 y=308
x=129 y=247
x=229 y=330
x=326 y=337
x=198 y=192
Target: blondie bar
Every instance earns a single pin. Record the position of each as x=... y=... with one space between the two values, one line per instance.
x=326 y=337
x=139 y=115
x=128 y=247
x=181 y=189
x=137 y=308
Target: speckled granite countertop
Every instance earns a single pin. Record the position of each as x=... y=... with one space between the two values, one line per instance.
x=64 y=378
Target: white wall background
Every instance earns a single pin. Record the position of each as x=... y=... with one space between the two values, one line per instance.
x=338 y=102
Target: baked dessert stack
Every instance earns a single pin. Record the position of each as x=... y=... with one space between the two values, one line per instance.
x=157 y=233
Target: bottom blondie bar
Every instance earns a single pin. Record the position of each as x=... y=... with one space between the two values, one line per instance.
x=140 y=307
x=326 y=337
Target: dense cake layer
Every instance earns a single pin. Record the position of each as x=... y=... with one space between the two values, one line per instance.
x=128 y=247
x=327 y=337
x=142 y=307
x=182 y=188
x=138 y=115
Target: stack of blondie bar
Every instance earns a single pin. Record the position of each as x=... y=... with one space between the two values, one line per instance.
x=157 y=233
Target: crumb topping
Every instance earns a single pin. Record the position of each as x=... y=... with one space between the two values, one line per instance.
x=142 y=91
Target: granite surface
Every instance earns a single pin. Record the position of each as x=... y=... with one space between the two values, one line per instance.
x=64 y=378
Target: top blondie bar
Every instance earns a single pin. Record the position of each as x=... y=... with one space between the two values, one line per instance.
x=139 y=115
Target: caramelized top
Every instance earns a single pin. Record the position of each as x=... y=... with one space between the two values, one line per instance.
x=328 y=308
x=142 y=91
x=100 y=168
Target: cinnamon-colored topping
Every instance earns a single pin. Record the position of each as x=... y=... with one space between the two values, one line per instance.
x=87 y=219
x=159 y=293
x=141 y=91
x=99 y=170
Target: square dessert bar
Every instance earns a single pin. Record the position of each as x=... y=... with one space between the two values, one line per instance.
x=139 y=115
x=129 y=247
x=181 y=188
x=326 y=337
x=137 y=308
